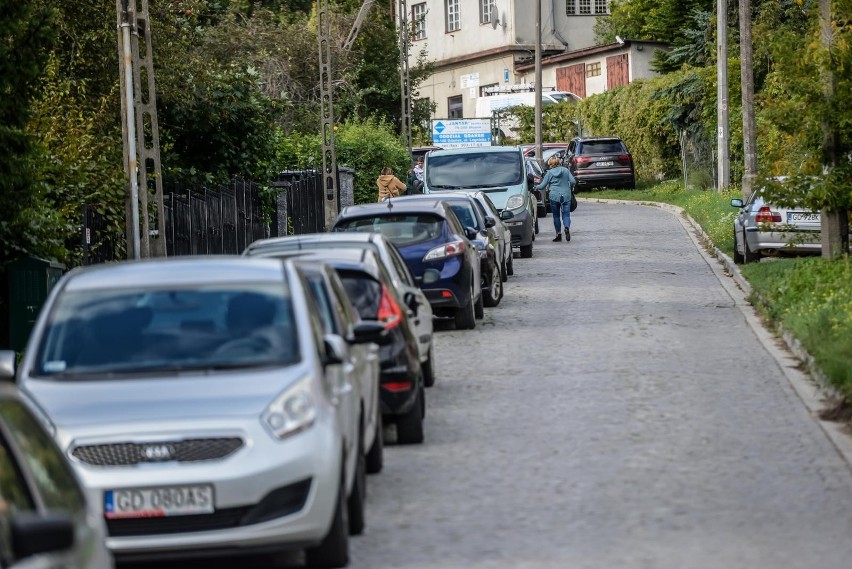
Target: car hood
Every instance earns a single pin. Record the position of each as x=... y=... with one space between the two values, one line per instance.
x=189 y=396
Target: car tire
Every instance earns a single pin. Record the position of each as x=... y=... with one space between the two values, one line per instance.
x=738 y=257
x=749 y=256
x=355 y=502
x=429 y=368
x=526 y=251
x=504 y=272
x=536 y=226
x=478 y=310
x=465 y=319
x=494 y=292
x=541 y=211
x=333 y=551
x=376 y=455
x=510 y=267
x=409 y=427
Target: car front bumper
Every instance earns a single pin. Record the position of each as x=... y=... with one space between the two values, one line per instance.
x=522 y=227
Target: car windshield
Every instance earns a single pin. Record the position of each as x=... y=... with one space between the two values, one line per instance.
x=147 y=331
x=602 y=147
x=474 y=170
x=402 y=229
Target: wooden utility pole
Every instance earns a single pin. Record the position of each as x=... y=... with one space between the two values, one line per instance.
x=405 y=87
x=329 y=159
x=834 y=225
x=538 y=148
x=747 y=86
x=722 y=120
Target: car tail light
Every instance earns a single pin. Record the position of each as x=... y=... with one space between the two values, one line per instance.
x=766 y=215
x=446 y=250
x=625 y=158
x=397 y=386
x=389 y=312
x=583 y=160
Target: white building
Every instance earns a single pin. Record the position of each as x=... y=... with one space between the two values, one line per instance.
x=477 y=44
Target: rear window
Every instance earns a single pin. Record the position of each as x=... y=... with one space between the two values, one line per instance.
x=364 y=292
x=168 y=329
x=603 y=147
x=465 y=214
x=403 y=229
x=474 y=170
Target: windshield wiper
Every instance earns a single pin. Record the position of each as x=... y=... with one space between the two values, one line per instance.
x=444 y=187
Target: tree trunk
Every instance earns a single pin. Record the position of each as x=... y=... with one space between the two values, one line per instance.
x=747 y=82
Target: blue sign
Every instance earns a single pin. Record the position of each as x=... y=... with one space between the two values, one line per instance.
x=439 y=127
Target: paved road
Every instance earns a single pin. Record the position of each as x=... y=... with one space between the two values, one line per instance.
x=616 y=410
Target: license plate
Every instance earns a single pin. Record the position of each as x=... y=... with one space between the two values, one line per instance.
x=158 y=502
x=802 y=216
x=604 y=164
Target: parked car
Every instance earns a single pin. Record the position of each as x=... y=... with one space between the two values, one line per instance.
x=486 y=241
x=762 y=229
x=45 y=520
x=369 y=288
x=436 y=248
x=504 y=235
x=600 y=162
x=203 y=407
x=403 y=281
x=499 y=171
x=535 y=174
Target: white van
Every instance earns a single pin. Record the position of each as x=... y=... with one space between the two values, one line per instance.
x=487 y=105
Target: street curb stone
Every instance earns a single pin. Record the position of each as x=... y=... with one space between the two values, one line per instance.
x=811 y=386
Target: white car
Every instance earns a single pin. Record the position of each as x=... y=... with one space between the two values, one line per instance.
x=203 y=407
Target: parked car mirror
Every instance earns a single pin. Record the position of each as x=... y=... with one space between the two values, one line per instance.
x=369 y=331
x=489 y=221
x=335 y=349
x=736 y=202
x=411 y=302
x=34 y=534
x=471 y=233
x=7 y=364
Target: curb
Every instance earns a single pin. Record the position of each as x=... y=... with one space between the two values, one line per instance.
x=810 y=385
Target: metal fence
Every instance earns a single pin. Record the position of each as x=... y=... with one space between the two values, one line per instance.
x=303 y=201
x=99 y=243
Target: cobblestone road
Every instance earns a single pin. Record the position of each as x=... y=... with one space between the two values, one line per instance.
x=616 y=410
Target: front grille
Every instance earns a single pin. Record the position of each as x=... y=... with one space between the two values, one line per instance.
x=129 y=454
x=278 y=503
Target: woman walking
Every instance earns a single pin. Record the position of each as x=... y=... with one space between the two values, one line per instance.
x=561 y=182
x=389 y=185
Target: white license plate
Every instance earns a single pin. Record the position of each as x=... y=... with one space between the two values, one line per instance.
x=604 y=164
x=802 y=216
x=158 y=502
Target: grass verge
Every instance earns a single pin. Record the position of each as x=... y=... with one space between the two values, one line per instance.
x=809 y=297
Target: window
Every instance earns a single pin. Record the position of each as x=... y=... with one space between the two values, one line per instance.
x=453 y=20
x=455 y=107
x=485 y=10
x=418 y=19
x=593 y=69
x=483 y=88
x=586 y=7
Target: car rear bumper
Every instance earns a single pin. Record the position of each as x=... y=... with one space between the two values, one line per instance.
x=609 y=179
x=783 y=242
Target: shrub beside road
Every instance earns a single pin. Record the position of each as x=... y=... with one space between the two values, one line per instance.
x=809 y=297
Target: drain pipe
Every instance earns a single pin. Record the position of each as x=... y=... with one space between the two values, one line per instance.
x=553 y=29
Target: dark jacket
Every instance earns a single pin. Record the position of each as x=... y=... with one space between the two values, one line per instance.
x=561 y=182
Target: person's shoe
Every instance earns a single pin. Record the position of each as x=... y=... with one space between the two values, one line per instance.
x=557 y=238
x=567 y=235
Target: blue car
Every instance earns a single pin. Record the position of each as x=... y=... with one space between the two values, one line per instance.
x=436 y=247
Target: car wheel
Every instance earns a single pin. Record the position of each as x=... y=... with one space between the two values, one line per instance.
x=478 y=310
x=376 y=456
x=504 y=272
x=749 y=256
x=355 y=503
x=409 y=427
x=510 y=267
x=526 y=251
x=738 y=257
x=541 y=211
x=465 y=318
x=429 y=368
x=333 y=550
x=494 y=292
x=536 y=226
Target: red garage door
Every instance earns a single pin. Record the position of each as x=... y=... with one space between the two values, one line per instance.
x=572 y=79
x=617 y=71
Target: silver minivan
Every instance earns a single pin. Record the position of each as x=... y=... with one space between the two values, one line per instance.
x=499 y=172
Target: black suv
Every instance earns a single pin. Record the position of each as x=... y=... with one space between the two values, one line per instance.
x=600 y=162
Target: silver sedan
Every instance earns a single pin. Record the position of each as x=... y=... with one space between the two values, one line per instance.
x=762 y=229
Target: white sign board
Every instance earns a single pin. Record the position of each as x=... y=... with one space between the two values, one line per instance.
x=471 y=80
x=461 y=133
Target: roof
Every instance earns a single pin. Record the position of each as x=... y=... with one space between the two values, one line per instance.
x=294 y=241
x=587 y=51
x=394 y=206
x=363 y=260
x=473 y=150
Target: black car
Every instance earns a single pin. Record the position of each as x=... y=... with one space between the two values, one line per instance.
x=486 y=241
x=504 y=235
x=602 y=162
x=436 y=248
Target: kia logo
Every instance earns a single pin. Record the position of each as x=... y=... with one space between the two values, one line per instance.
x=158 y=452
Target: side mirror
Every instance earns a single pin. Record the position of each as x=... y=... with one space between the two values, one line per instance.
x=7 y=365
x=471 y=233
x=506 y=214
x=34 y=534
x=335 y=350
x=490 y=222
x=369 y=331
x=736 y=202
x=411 y=302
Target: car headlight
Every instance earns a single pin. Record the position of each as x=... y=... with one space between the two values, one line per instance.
x=515 y=202
x=293 y=411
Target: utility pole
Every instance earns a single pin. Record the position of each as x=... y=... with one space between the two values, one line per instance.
x=329 y=159
x=747 y=86
x=538 y=148
x=834 y=221
x=405 y=87
x=724 y=159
